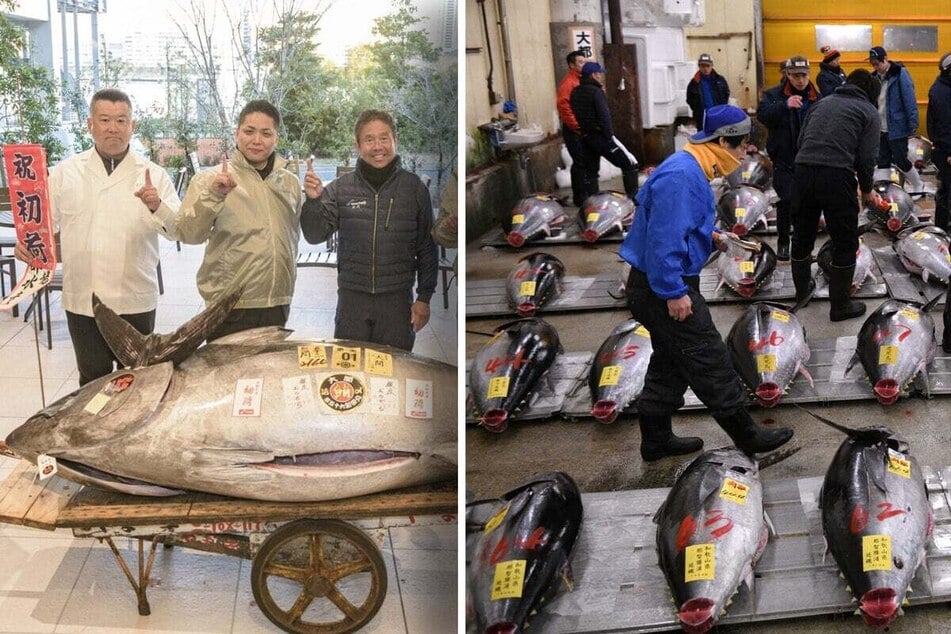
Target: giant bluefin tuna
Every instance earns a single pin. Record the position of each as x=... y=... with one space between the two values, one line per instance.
x=742 y=209
x=506 y=371
x=897 y=209
x=604 y=213
x=768 y=347
x=250 y=415
x=534 y=280
x=919 y=151
x=923 y=250
x=895 y=344
x=711 y=531
x=746 y=271
x=523 y=553
x=755 y=170
x=535 y=217
x=617 y=373
x=863 y=264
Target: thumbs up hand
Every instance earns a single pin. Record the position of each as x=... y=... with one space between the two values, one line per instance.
x=224 y=181
x=313 y=186
x=148 y=194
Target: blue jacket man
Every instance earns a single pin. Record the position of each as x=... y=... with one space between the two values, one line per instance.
x=671 y=238
x=898 y=111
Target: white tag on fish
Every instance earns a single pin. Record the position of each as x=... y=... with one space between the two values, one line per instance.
x=46 y=466
x=298 y=394
x=96 y=403
x=247 y=397
x=419 y=398
x=384 y=396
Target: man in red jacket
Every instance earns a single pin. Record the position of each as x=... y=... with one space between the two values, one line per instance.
x=569 y=125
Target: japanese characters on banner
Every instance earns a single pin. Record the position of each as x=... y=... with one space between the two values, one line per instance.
x=582 y=39
x=30 y=203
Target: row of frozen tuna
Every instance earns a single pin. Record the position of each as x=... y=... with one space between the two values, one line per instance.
x=711 y=531
x=767 y=343
x=542 y=215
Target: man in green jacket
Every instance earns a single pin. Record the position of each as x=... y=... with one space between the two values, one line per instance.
x=248 y=209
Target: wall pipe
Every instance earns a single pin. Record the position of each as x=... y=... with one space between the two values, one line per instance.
x=493 y=99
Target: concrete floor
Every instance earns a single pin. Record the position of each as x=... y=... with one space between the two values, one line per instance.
x=606 y=457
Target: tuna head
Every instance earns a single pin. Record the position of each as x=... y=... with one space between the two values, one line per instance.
x=924 y=250
x=742 y=209
x=755 y=170
x=897 y=209
x=863 y=263
x=535 y=217
x=534 y=280
x=604 y=213
x=617 y=375
x=745 y=271
x=528 y=541
x=919 y=151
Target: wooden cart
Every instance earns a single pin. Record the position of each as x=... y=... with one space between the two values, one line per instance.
x=308 y=545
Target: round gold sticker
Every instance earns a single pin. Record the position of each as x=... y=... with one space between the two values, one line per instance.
x=342 y=392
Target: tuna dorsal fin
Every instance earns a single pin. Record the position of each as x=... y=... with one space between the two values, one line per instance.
x=869 y=434
x=135 y=350
x=777 y=456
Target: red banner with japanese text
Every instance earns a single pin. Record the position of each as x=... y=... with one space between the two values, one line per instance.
x=32 y=217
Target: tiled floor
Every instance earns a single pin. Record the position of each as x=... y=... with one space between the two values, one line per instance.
x=53 y=582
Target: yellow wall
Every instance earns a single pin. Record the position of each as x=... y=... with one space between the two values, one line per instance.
x=729 y=36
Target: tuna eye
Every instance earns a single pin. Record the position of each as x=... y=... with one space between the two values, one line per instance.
x=899 y=563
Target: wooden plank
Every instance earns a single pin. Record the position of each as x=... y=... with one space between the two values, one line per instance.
x=24 y=492
x=44 y=513
x=93 y=507
x=7 y=486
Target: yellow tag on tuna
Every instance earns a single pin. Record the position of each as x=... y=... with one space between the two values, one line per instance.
x=734 y=491
x=747 y=266
x=518 y=219
x=610 y=375
x=766 y=363
x=508 y=580
x=642 y=331
x=888 y=355
x=700 y=563
x=899 y=464
x=910 y=313
x=783 y=317
x=876 y=552
x=498 y=387
x=740 y=212
x=919 y=235
x=496 y=519
x=893 y=207
x=311 y=355
x=527 y=288
x=379 y=363
x=746 y=175
x=593 y=217
x=345 y=358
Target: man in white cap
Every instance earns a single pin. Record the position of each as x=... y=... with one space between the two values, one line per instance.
x=707 y=89
x=670 y=240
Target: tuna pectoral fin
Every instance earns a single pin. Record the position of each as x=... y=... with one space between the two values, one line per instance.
x=228 y=474
x=803 y=371
x=568 y=577
x=225 y=456
x=447 y=452
x=133 y=349
x=852 y=362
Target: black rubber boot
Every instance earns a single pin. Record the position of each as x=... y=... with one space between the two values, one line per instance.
x=946 y=335
x=750 y=437
x=840 y=287
x=630 y=183
x=782 y=228
x=658 y=440
x=802 y=278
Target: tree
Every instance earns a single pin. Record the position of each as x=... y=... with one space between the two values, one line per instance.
x=198 y=30
x=28 y=106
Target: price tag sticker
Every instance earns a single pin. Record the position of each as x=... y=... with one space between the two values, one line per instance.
x=312 y=356
x=508 y=580
x=888 y=355
x=747 y=266
x=96 y=403
x=498 y=387
x=642 y=331
x=899 y=464
x=780 y=316
x=518 y=219
x=610 y=375
x=919 y=235
x=527 y=288
x=894 y=176
x=379 y=363
x=46 y=466
x=593 y=217
x=734 y=491
x=496 y=519
x=344 y=358
x=700 y=563
x=876 y=552
x=740 y=212
x=893 y=207
x=919 y=151
x=910 y=313
x=746 y=175
x=766 y=363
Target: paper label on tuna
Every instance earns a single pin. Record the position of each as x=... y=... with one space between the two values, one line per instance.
x=766 y=363
x=419 y=398
x=642 y=331
x=527 y=288
x=342 y=392
x=96 y=403
x=379 y=363
x=747 y=266
x=740 y=212
x=876 y=552
x=700 y=562
x=508 y=580
x=919 y=235
x=893 y=207
x=298 y=394
x=46 y=466
x=783 y=317
x=894 y=177
x=910 y=313
x=247 y=397
x=593 y=217
x=496 y=519
x=518 y=219
x=888 y=355
x=343 y=358
x=498 y=387
x=919 y=151
x=384 y=396
x=312 y=356
x=746 y=175
x=610 y=375
x=899 y=464
x=734 y=491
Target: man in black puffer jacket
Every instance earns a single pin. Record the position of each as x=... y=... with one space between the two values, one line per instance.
x=385 y=218
x=831 y=75
x=939 y=132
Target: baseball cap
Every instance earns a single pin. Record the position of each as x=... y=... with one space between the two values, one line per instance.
x=722 y=121
x=592 y=67
x=797 y=64
x=876 y=53
x=945 y=64
x=705 y=59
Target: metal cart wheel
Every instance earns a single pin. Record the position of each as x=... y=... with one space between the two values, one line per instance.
x=319 y=577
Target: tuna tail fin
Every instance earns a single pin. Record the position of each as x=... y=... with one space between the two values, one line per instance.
x=777 y=456
x=932 y=302
x=869 y=434
x=134 y=350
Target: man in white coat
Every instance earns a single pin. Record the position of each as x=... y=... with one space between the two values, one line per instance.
x=110 y=204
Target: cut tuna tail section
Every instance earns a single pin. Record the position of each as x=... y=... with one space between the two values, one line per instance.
x=135 y=350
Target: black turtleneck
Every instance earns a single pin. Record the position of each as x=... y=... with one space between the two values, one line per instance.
x=376 y=176
x=110 y=163
x=268 y=167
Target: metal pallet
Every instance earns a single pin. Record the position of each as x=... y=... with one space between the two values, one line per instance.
x=780 y=287
x=489 y=298
x=570 y=233
x=902 y=284
x=619 y=586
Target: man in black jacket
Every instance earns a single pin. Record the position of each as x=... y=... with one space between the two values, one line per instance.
x=831 y=75
x=939 y=131
x=707 y=89
x=782 y=111
x=385 y=218
x=590 y=108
